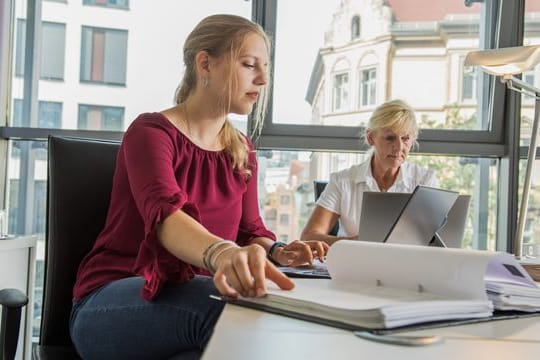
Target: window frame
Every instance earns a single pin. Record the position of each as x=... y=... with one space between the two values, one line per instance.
x=338 y=92
x=370 y=83
x=91 y=58
x=469 y=72
x=107 y=5
x=489 y=142
x=102 y=109
x=21 y=45
x=356 y=23
x=499 y=140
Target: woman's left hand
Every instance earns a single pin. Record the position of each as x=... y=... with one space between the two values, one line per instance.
x=298 y=253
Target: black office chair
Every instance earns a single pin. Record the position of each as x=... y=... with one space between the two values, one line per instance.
x=80 y=177
x=12 y=302
x=318 y=187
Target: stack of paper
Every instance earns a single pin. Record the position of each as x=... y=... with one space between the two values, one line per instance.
x=384 y=286
x=514 y=297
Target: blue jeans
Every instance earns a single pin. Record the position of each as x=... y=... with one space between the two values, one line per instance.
x=114 y=322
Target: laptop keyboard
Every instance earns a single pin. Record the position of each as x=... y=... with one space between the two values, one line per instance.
x=318 y=270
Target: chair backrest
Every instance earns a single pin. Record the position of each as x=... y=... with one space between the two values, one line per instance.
x=318 y=188
x=80 y=177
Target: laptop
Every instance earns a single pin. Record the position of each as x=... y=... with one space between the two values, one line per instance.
x=381 y=210
x=394 y=218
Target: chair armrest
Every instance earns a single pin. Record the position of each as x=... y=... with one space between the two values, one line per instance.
x=13 y=298
x=12 y=301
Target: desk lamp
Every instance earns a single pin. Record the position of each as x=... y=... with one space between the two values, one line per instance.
x=505 y=63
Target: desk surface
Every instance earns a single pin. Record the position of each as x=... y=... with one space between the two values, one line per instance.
x=243 y=333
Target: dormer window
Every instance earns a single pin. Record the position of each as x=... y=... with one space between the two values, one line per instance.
x=355 y=27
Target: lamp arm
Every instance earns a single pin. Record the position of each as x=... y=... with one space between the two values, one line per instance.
x=521 y=86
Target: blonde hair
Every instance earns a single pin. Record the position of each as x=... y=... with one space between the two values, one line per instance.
x=395 y=115
x=223 y=36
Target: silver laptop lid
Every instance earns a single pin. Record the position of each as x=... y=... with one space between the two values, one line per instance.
x=380 y=211
x=453 y=231
x=423 y=215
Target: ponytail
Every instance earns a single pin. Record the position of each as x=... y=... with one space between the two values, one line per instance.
x=236 y=146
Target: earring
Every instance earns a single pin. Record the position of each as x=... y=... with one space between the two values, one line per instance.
x=205 y=82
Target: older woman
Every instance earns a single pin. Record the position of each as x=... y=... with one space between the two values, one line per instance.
x=391 y=132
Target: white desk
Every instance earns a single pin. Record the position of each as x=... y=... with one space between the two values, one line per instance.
x=243 y=333
x=17 y=268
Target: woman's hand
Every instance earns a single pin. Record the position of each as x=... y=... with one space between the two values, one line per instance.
x=299 y=252
x=244 y=270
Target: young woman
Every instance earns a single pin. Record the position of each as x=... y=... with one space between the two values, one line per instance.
x=184 y=206
x=391 y=132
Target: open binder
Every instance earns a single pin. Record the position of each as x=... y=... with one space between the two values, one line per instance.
x=387 y=287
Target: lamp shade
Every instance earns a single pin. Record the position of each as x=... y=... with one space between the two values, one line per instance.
x=505 y=61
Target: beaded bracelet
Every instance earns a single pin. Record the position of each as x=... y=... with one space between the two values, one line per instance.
x=207 y=254
x=213 y=251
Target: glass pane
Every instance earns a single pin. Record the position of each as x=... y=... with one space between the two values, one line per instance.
x=530 y=37
x=531 y=233
x=20 y=39
x=101 y=118
x=121 y=4
x=133 y=62
x=103 y=55
x=286 y=193
x=413 y=55
x=50 y=114
x=53 y=51
x=26 y=201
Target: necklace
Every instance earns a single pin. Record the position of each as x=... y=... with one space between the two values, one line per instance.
x=186 y=119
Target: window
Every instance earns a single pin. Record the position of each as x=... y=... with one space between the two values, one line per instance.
x=285 y=199
x=53 y=45
x=104 y=55
x=49 y=114
x=368 y=87
x=340 y=92
x=529 y=78
x=462 y=174
x=468 y=89
x=355 y=27
x=92 y=117
x=120 y=4
x=425 y=72
x=21 y=41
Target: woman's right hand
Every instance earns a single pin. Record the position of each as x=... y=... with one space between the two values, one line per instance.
x=243 y=270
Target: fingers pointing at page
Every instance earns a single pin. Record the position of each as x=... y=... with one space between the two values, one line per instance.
x=244 y=270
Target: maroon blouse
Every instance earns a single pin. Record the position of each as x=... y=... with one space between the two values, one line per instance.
x=158 y=171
